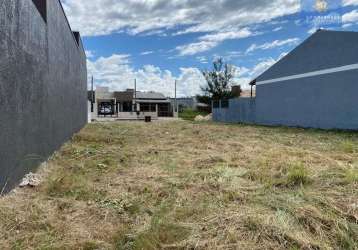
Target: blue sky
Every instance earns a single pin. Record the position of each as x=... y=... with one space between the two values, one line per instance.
x=159 y=41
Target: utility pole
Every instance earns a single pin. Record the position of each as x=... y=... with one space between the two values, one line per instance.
x=175 y=99
x=135 y=95
x=92 y=95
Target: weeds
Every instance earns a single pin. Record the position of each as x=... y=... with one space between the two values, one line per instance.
x=74 y=186
x=297 y=175
x=351 y=175
x=160 y=234
x=182 y=185
x=348 y=147
x=189 y=114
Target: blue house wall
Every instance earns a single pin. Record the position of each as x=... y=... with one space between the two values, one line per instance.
x=328 y=101
x=315 y=86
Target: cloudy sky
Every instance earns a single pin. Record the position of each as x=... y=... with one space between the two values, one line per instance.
x=158 y=41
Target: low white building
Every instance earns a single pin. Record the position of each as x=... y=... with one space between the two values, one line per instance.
x=128 y=105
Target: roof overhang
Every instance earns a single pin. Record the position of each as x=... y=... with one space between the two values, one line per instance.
x=152 y=101
x=253 y=82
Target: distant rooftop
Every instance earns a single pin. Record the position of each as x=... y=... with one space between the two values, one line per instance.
x=150 y=95
x=129 y=94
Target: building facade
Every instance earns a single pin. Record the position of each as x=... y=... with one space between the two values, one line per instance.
x=129 y=104
x=184 y=103
x=313 y=86
x=43 y=83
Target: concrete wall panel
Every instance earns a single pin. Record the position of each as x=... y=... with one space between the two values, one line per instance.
x=42 y=86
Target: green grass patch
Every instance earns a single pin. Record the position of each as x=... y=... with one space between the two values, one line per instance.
x=348 y=147
x=75 y=186
x=351 y=175
x=297 y=175
x=160 y=234
x=189 y=114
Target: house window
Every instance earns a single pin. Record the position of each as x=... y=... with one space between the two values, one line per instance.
x=41 y=6
x=127 y=107
x=147 y=107
x=153 y=108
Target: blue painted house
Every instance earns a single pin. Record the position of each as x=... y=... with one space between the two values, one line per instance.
x=315 y=85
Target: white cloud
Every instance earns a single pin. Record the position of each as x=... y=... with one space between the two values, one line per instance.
x=189 y=82
x=210 y=41
x=273 y=44
x=312 y=30
x=202 y=59
x=347 y=25
x=117 y=73
x=245 y=75
x=98 y=17
x=161 y=17
x=195 y=48
x=144 y=53
x=239 y=71
x=351 y=17
x=277 y=29
x=262 y=66
x=233 y=54
x=89 y=53
x=222 y=36
x=350 y=2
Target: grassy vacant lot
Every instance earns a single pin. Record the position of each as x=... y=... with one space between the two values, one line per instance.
x=182 y=185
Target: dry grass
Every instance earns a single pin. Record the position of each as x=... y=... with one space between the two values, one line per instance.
x=182 y=185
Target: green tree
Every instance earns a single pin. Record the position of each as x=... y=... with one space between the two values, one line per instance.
x=219 y=80
x=203 y=99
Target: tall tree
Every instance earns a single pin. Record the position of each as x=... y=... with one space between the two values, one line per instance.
x=218 y=80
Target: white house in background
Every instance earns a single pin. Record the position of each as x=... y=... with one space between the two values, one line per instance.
x=128 y=105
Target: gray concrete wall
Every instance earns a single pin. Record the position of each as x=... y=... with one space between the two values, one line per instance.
x=328 y=102
x=43 y=90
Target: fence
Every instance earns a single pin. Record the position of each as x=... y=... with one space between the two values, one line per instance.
x=238 y=110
